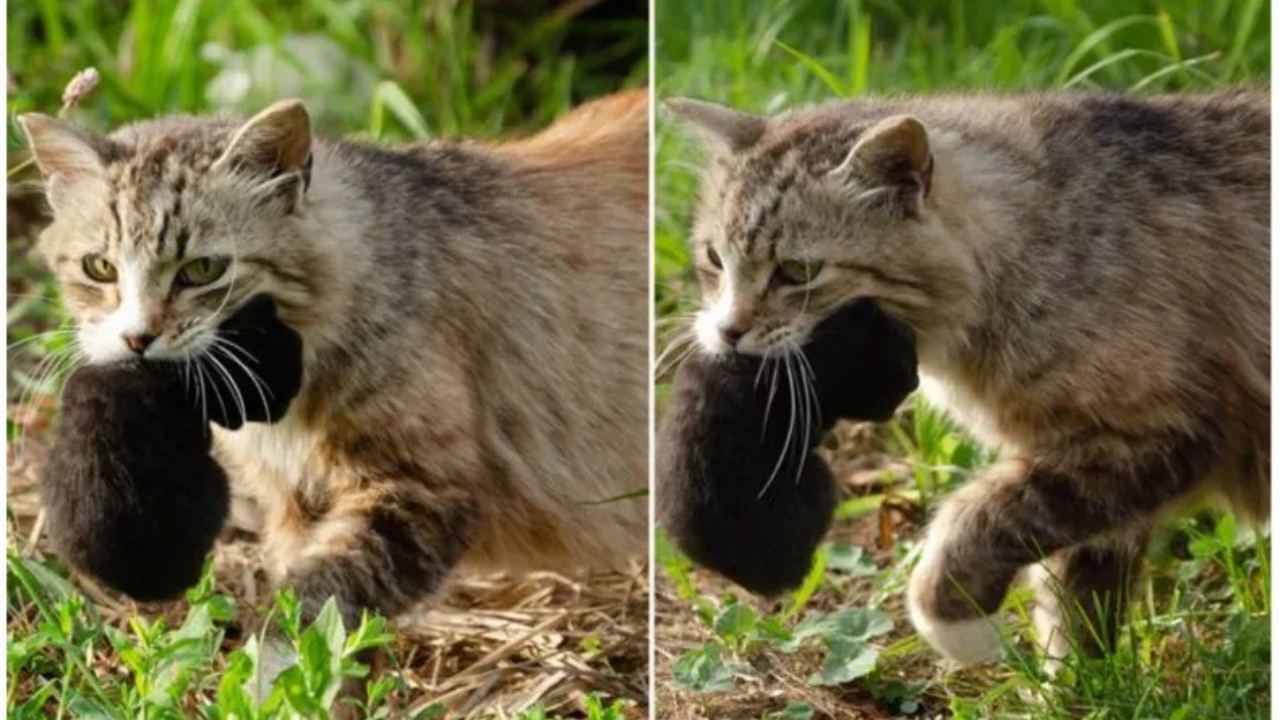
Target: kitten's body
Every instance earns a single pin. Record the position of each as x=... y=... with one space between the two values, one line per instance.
x=473 y=320
x=1088 y=277
x=132 y=496
x=740 y=488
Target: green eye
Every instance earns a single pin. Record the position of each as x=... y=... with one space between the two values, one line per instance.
x=202 y=271
x=99 y=268
x=798 y=272
x=713 y=257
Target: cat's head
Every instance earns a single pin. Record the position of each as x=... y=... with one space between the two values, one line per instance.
x=165 y=228
x=800 y=215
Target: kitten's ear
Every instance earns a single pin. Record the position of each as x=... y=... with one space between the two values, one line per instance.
x=67 y=156
x=726 y=128
x=894 y=156
x=274 y=145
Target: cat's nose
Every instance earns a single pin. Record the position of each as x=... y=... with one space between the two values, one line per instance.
x=139 y=342
x=732 y=334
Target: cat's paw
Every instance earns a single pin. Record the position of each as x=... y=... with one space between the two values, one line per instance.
x=967 y=641
x=964 y=642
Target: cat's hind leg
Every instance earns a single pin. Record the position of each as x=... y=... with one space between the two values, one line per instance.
x=1018 y=513
x=1083 y=592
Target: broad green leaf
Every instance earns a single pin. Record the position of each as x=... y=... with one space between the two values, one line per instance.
x=735 y=622
x=851 y=559
x=847 y=660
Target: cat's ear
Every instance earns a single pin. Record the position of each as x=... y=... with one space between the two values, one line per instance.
x=275 y=147
x=67 y=156
x=725 y=128
x=891 y=161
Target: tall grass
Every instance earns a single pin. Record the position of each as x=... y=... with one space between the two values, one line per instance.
x=1197 y=645
x=436 y=67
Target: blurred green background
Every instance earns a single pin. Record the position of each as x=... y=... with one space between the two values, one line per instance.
x=462 y=68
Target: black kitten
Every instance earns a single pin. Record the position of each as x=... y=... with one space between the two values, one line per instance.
x=723 y=496
x=132 y=494
x=258 y=343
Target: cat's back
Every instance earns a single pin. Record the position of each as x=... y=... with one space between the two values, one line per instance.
x=590 y=172
x=605 y=139
x=1108 y=169
x=1218 y=129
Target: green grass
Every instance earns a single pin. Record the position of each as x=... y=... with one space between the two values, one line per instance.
x=392 y=70
x=1198 y=641
x=61 y=652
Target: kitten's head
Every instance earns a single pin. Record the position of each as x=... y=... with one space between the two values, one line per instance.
x=800 y=215
x=165 y=228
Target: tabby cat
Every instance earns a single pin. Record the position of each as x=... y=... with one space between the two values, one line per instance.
x=473 y=317
x=1088 y=279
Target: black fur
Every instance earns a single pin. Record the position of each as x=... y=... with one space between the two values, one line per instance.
x=132 y=494
x=268 y=348
x=717 y=454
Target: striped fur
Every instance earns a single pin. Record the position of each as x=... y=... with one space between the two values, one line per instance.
x=1088 y=278
x=474 y=321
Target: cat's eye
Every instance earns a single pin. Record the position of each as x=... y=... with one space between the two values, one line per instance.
x=99 y=268
x=798 y=272
x=714 y=258
x=202 y=271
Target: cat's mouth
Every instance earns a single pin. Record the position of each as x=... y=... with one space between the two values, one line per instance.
x=191 y=346
x=246 y=369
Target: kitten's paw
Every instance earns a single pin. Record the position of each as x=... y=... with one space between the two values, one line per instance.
x=965 y=642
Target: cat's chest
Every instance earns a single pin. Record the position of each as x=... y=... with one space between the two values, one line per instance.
x=287 y=452
x=965 y=407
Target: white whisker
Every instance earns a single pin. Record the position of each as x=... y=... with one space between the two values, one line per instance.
x=786 y=445
x=675 y=353
x=51 y=370
x=213 y=385
x=773 y=390
x=812 y=411
x=62 y=332
x=232 y=390
x=224 y=345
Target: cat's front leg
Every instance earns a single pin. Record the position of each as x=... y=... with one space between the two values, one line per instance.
x=1020 y=512
x=379 y=540
x=381 y=545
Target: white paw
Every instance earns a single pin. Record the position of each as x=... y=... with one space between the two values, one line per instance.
x=966 y=642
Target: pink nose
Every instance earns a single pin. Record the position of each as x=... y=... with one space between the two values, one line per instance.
x=731 y=335
x=139 y=342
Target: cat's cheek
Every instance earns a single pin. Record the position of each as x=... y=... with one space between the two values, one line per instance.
x=706 y=327
x=102 y=343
